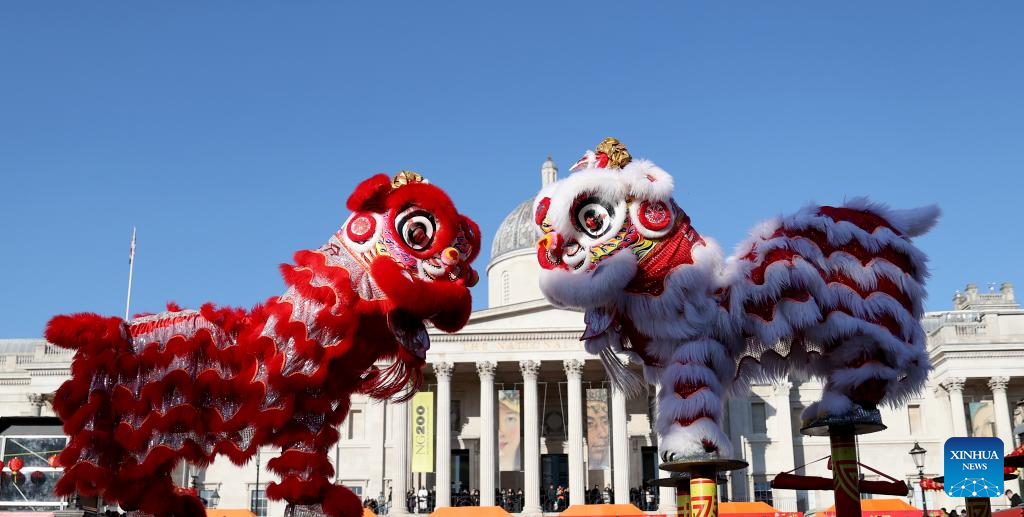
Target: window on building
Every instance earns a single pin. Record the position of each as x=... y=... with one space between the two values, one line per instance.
x=258 y=501
x=762 y=489
x=354 y=425
x=758 y=418
x=33 y=488
x=914 y=419
x=209 y=495
x=356 y=489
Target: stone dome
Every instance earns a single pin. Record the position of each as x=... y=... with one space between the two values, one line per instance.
x=516 y=231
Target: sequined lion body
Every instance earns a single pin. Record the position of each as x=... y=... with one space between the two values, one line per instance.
x=189 y=385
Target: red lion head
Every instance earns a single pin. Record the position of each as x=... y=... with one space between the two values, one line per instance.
x=408 y=253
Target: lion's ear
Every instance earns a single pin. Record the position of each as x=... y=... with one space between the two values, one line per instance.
x=369 y=195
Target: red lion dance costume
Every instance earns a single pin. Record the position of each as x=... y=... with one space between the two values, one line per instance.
x=189 y=385
x=834 y=292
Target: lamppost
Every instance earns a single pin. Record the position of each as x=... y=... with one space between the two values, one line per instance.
x=917 y=453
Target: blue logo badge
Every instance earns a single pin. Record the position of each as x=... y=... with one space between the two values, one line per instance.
x=973 y=467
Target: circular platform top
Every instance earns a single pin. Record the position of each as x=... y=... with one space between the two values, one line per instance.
x=702 y=466
x=858 y=421
x=681 y=480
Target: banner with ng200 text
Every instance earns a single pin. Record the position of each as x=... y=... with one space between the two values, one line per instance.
x=422 y=421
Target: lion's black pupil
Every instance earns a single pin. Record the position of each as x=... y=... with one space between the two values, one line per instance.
x=417 y=233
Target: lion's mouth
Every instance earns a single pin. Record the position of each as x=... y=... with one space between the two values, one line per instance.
x=410 y=333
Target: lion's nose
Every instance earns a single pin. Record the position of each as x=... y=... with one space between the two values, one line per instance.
x=551 y=242
x=450 y=256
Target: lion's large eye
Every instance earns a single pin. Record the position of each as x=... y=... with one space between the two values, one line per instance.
x=416 y=226
x=592 y=216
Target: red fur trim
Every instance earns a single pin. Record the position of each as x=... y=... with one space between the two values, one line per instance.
x=339 y=501
x=369 y=195
x=442 y=302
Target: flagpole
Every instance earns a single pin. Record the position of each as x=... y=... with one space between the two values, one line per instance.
x=131 y=266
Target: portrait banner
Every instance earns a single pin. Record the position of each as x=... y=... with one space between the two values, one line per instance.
x=599 y=453
x=422 y=422
x=509 y=429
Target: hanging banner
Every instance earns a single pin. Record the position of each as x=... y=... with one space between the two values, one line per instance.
x=599 y=453
x=423 y=432
x=983 y=419
x=509 y=429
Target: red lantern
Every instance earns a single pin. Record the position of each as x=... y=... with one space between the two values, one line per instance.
x=54 y=461
x=38 y=477
x=16 y=464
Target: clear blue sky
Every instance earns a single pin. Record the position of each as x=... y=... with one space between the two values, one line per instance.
x=230 y=133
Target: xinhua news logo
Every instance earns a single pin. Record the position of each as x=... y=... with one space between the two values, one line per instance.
x=973 y=467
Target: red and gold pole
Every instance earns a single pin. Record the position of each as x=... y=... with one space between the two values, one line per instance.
x=703 y=495
x=683 y=499
x=699 y=496
x=845 y=472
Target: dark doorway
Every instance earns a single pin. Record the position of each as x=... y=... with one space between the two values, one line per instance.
x=554 y=469
x=649 y=455
x=460 y=470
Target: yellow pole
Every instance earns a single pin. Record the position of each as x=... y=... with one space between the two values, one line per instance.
x=703 y=495
x=683 y=499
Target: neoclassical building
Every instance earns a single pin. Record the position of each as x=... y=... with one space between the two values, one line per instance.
x=518 y=403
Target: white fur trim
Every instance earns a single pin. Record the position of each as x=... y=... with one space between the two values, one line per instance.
x=648 y=181
x=585 y=290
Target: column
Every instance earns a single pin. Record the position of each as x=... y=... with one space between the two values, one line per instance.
x=400 y=477
x=1004 y=429
x=443 y=452
x=488 y=450
x=955 y=387
x=375 y=412
x=577 y=485
x=666 y=494
x=531 y=439
x=620 y=447
x=783 y=435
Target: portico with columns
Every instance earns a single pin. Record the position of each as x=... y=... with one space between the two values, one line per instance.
x=551 y=371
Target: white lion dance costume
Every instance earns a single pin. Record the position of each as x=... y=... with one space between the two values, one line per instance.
x=834 y=292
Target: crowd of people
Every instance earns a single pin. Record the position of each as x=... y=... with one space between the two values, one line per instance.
x=554 y=498
x=424 y=501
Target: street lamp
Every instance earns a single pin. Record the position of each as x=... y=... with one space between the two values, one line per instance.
x=917 y=453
